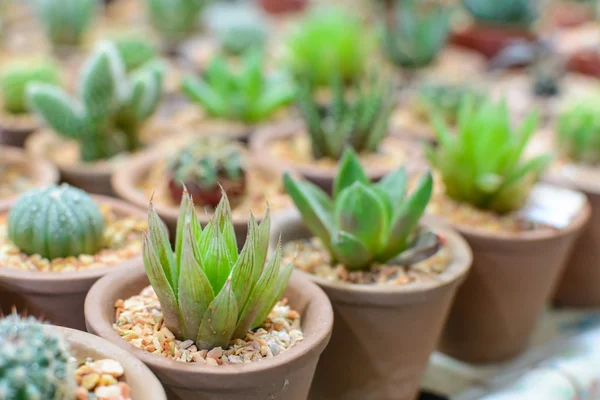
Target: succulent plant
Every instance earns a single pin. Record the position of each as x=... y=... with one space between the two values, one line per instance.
x=107 y=117
x=365 y=223
x=357 y=118
x=247 y=95
x=174 y=19
x=444 y=99
x=482 y=164
x=242 y=35
x=506 y=12
x=328 y=41
x=208 y=292
x=56 y=221
x=65 y=21
x=34 y=364
x=205 y=168
x=416 y=35
x=134 y=51
x=578 y=131
x=16 y=75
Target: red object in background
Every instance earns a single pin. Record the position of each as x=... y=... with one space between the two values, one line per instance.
x=283 y=6
x=585 y=62
x=488 y=40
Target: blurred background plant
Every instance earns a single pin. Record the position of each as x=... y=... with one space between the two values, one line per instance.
x=578 y=131
x=174 y=20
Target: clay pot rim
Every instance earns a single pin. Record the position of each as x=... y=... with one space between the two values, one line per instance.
x=460 y=263
x=522 y=237
x=42 y=171
x=259 y=143
x=142 y=374
x=63 y=278
x=123 y=182
x=94 y=304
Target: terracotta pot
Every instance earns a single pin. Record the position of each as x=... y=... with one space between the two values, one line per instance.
x=58 y=296
x=580 y=284
x=322 y=177
x=585 y=62
x=143 y=383
x=382 y=335
x=285 y=377
x=496 y=309
x=283 y=6
x=41 y=172
x=125 y=183
x=489 y=40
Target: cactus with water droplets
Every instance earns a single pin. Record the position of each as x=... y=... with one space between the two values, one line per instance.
x=56 y=221
x=34 y=364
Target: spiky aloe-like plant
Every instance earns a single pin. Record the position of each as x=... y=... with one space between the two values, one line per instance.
x=174 y=19
x=111 y=108
x=578 y=131
x=248 y=94
x=208 y=292
x=416 y=35
x=17 y=75
x=365 y=223
x=357 y=118
x=65 y=21
x=505 y=12
x=482 y=164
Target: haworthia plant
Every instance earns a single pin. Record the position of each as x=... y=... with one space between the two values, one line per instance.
x=208 y=292
x=365 y=223
x=107 y=116
x=66 y=21
x=174 y=19
x=17 y=75
x=357 y=118
x=505 y=12
x=578 y=131
x=482 y=164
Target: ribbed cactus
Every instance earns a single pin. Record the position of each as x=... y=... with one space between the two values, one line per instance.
x=65 y=21
x=174 y=19
x=34 y=364
x=56 y=221
x=16 y=75
x=111 y=108
x=207 y=167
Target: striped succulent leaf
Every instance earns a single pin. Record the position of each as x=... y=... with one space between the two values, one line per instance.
x=210 y=293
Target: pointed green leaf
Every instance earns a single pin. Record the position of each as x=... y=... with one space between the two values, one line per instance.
x=57 y=109
x=245 y=269
x=350 y=251
x=198 y=91
x=393 y=185
x=223 y=220
x=186 y=211
x=216 y=262
x=261 y=242
x=219 y=321
x=275 y=295
x=159 y=238
x=350 y=171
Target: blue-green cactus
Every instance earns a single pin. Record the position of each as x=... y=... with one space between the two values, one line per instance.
x=65 y=21
x=174 y=19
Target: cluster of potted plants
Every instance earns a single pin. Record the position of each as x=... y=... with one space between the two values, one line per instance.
x=309 y=214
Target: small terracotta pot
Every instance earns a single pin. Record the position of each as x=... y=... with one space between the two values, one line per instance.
x=143 y=383
x=580 y=284
x=496 y=309
x=41 y=172
x=489 y=40
x=383 y=334
x=58 y=296
x=287 y=376
x=322 y=177
x=586 y=62
x=125 y=183
x=283 y=6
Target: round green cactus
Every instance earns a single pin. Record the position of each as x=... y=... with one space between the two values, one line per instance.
x=34 y=364
x=56 y=221
x=16 y=75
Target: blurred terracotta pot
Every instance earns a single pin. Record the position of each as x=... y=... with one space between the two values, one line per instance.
x=489 y=40
x=287 y=376
x=383 y=335
x=40 y=171
x=143 y=383
x=283 y=6
x=496 y=309
x=585 y=62
x=58 y=296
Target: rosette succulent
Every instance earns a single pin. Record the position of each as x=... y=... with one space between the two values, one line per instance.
x=205 y=168
x=248 y=95
x=357 y=118
x=174 y=19
x=363 y=222
x=443 y=99
x=34 y=364
x=506 y=12
x=328 y=41
x=107 y=117
x=15 y=76
x=578 y=131
x=416 y=34
x=207 y=291
x=66 y=21
x=56 y=221
x=482 y=164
